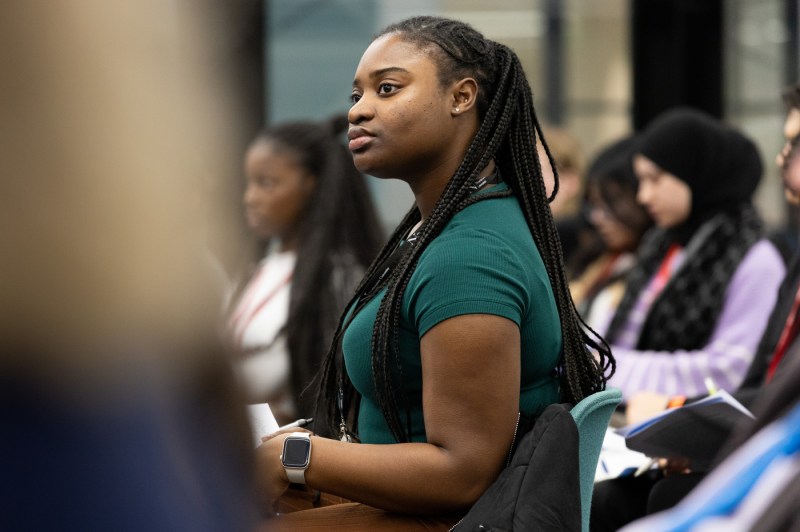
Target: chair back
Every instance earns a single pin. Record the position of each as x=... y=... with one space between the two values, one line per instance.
x=592 y=415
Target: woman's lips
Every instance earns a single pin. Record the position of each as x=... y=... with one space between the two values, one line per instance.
x=252 y=218
x=359 y=138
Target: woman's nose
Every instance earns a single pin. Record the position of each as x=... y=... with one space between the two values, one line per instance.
x=359 y=111
x=643 y=194
x=247 y=197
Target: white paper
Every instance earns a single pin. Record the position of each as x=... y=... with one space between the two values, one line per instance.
x=262 y=421
x=616 y=459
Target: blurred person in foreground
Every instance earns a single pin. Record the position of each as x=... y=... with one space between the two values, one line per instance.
x=118 y=408
x=312 y=214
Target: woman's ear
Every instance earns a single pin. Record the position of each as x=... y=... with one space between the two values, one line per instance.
x=464 y=95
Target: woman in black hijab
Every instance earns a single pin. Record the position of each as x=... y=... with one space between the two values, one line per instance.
x=706 y=279
x=699 y=298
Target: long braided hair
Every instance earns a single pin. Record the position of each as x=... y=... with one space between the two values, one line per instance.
x=338 y=238
x=508 y=131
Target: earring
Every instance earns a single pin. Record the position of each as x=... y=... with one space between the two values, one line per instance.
x=457 y=110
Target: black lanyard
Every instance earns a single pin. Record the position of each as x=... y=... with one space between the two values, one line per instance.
x=372 y=287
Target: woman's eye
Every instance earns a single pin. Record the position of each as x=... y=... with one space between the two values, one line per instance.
x=354 y=98
x=386 y=88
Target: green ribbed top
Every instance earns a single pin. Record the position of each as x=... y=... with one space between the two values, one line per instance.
x=484 y=262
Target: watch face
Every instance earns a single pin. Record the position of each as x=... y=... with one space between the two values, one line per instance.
x=296 y=452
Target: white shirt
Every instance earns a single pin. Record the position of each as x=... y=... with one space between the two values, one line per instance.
x=255 y=325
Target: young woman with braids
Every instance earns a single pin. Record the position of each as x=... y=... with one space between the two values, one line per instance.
x=464 y=319
x=312 y=213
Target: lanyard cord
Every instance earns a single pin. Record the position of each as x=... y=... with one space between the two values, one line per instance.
x=370 y=291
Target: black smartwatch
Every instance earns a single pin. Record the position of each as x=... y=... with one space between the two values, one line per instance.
x=296 y=456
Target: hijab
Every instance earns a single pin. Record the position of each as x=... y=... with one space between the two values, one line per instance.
x=722 y=168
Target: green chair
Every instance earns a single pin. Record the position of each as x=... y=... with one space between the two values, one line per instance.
x=592 y=416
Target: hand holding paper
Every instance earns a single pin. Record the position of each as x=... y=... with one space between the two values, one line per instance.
x=696 y=431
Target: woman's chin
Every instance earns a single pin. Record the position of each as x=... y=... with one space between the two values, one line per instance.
x=260 y=231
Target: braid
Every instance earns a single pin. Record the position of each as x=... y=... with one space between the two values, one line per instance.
x=508 y=131
x=326 y=409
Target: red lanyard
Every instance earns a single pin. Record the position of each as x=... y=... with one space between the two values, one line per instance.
x=608 y=267
x=240 y=323
x=789 y=332
x=665 y=270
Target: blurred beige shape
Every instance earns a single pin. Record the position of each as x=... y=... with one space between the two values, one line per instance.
x=110 y=123
x=570 y=164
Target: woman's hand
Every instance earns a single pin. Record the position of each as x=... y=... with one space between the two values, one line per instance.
x=674 y=466
x=271 y=479
x=643 y=405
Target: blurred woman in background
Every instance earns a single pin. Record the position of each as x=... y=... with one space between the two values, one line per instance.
x=620 y=222
x=311 y=211
x=705 y=282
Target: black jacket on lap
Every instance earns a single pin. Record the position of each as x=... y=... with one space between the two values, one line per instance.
x=540 y=488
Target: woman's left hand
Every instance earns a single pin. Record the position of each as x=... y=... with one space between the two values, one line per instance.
x=271 y=479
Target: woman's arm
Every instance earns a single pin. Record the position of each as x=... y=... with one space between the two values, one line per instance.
x=730 y=350
x=471 y=378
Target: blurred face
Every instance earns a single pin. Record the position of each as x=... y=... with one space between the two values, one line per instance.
x=618 y=235
x=401 y=121
x=277 y=194
x=569 y=186
x=788 y=159
x=666 y=198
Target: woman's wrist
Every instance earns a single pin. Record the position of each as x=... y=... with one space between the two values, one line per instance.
x=276 y=451
x=675 y=401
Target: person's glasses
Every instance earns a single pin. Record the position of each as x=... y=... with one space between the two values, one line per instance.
x=594 y=210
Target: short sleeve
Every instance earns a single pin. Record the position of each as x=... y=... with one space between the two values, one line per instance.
x=475 y=271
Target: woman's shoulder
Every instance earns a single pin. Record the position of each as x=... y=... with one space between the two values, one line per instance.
x=499 y=217
x=763 y=257
x=494 y=237
x=485 y=240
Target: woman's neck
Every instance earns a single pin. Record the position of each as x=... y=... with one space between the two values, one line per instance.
x=427 y=192
x=287 y=242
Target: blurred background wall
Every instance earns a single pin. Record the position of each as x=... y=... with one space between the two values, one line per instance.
x=599 y=68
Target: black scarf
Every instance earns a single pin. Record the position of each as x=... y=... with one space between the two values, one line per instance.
x=685 y=313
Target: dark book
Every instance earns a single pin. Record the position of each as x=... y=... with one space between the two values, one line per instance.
x=695 y=431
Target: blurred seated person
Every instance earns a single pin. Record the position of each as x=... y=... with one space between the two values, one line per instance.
x=620 y=501
x=312 y=213
x=706 y=279
x=756 y=482
x=570 y=165
x=611 y=207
